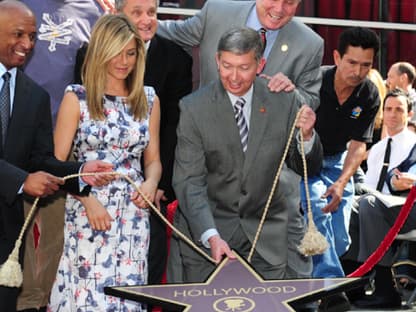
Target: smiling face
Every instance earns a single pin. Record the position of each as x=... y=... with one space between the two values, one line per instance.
x=123 y=63
x=142 y=13
x=237 y=72
x=17 y=35
x=274 y=14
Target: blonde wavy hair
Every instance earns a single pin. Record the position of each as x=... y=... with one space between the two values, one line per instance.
x=375 y=76
x=109 y=37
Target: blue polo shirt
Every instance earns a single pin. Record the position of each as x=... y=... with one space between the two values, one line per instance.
x=353 y=120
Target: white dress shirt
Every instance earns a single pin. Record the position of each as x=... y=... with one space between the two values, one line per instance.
x=401 y=145
x=248 y=97
x=271 y=35
x=13 y=73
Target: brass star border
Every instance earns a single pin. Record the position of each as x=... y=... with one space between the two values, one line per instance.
x=234 y=286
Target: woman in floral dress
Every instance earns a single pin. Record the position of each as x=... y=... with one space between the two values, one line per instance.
x=111 y=117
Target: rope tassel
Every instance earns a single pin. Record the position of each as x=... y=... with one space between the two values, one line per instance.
x=313 y=243
x=10 y=272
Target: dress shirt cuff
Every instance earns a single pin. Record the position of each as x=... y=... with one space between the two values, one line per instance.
x=207 y=235
x=82 y=184
x=307 y=146
x=391 y=183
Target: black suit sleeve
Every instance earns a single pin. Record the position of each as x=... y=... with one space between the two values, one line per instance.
x=42 y=153
x=169 y=71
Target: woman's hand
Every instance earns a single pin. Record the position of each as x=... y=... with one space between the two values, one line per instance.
x=97 y=214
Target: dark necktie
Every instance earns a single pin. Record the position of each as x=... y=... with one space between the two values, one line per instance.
x=386 y=163
x=262 y=32
x=241 y=122
x=5 y=106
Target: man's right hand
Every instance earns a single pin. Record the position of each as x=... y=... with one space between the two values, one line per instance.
x=219 y=248
x=403 y=181
x=41 y=184
x=160 y=196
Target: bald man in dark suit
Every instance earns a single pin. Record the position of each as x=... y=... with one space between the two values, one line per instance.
x=26 y=143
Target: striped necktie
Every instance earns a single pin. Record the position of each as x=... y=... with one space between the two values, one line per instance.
x=5 y=106
x=241 y=122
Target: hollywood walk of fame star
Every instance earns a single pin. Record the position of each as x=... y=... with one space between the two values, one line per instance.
x=234 y=286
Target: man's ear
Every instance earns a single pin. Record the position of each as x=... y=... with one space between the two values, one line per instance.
x=217 y=60
x=404 y=78
x=261 y=65
x=337 y=57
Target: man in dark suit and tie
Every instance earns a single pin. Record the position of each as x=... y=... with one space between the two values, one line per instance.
x=169 y=71
x=224 y=167
x=381 y=207
x=26 y=144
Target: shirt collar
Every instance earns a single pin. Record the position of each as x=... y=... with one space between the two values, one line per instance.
x=147 y=45
x=13 y=73
x=254 y=22
x=399 y=135
x=247 y=96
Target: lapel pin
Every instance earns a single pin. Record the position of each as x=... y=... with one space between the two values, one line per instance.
x=284 y=47
x=262 y=110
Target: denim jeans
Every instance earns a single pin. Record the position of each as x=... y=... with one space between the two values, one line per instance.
x=333 y=226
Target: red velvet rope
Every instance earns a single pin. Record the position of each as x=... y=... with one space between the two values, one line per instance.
x=389 y=238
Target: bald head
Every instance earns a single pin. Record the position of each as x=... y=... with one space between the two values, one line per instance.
x=17 y=33
x=401 y=75
x=8 y=7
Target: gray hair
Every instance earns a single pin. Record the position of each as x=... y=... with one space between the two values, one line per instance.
x=241 y=40
x=119 y=4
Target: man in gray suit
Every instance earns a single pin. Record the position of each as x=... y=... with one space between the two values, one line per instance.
x=227 y=156
x=293 y=51
x=293 y=54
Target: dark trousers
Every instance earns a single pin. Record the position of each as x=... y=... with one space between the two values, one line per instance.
x=369 y=226
x=157 y=248
x=8 y=298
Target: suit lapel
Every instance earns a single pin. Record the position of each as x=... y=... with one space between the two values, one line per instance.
x=226 y=119
x=258 y=121
x=151 y=51
x=280 y=49
x=21 y=96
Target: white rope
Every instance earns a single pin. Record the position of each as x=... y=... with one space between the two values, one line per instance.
x=11 y=272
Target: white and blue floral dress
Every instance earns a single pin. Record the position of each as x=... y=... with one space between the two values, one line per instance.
x=91 y=259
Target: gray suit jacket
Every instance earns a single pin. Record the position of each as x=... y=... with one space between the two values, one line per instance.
x=219 y=186
x=300 y=62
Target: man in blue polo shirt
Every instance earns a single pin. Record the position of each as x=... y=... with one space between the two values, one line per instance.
x=344 y=121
